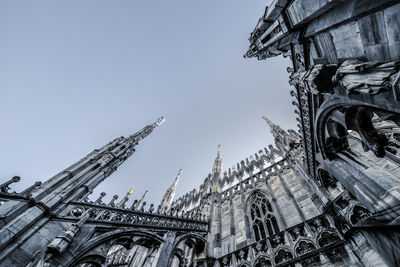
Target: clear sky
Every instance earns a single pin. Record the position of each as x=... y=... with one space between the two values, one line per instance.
x=76 y=74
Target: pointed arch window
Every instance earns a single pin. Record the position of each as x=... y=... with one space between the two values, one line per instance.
x=262 y=217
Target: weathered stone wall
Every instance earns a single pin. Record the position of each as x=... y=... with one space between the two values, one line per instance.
x=230 y=227
x=352 y=31
x=35 y=241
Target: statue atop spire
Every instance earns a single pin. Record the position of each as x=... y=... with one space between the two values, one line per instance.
x=136 y=137
x=284 y=140
x=166 y=201
x=160 y=121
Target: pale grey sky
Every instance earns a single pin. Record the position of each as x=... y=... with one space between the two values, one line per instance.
x=76 y=74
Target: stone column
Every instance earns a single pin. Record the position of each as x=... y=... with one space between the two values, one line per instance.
x=246 y=218
x=166 y=249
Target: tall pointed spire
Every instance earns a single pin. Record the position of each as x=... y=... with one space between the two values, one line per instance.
x=107 y=159
x=166 y=201
x=217 y=167
x=73 y=183
x=275 y=129
x=216 y=173
x=283 y=139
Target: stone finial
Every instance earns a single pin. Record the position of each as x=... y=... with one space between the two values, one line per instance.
x=98 y=200
x=121 y=204
x=142 y=208
x=151 y=209
x=140 y=200
x=27 y=192
x=158 y=211
x=5 y=186
x=133 y=207
x=111 y=203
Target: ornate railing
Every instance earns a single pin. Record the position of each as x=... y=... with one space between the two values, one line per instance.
x=148 y=219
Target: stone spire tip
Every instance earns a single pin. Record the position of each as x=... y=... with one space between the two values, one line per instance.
x=268 y=121
x=177 y=178
x=160 y=120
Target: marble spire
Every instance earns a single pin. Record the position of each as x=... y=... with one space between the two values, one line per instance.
x=216 y=173
x=283 y=139
x=169 y=194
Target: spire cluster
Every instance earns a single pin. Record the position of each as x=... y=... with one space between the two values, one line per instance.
x=247 y=167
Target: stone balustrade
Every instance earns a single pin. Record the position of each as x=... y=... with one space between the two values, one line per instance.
x=101 y=213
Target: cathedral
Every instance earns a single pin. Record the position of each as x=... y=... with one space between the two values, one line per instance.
x=325 y=194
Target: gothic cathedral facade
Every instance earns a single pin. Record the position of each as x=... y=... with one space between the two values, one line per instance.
x=325 y=195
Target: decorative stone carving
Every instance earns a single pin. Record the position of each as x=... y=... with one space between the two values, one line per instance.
x=263 y=262
x=365 y=77
x=359 y=119
x=316 y=80
x=283 y=255
x=104 y=214
x=327 y=238
x=304 y=247
x=335 y=145
x=6 y=186
x=358 y=213
x=117 y=256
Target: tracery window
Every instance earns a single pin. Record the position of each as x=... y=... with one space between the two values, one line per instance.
x=262 y=217
x=117 y=255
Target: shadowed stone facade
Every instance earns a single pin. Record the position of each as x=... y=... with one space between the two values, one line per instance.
x=325 y=195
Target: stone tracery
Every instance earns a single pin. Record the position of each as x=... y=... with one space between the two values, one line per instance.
x=262 y=216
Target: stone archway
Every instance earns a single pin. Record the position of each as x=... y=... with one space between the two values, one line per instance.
x=115 y=247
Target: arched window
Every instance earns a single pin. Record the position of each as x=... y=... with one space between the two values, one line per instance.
x=117 y=255
x=262 y=216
